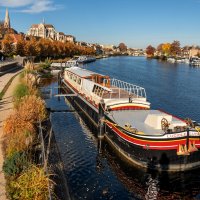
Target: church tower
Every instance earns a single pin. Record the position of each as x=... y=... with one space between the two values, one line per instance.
x=7 y=20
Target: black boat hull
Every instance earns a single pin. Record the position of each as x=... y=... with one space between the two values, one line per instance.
x=162 y=160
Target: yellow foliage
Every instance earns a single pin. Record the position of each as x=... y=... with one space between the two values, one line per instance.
x=166 y=48
x=18 y=142
x=29 y=66
x=32 y=109
x=16 y=124
x=32 y=184
x=19 y=134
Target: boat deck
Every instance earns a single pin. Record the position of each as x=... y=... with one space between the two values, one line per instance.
x=136 y=118
x=118 y=93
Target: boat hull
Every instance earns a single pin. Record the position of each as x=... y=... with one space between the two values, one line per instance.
x=159 y=159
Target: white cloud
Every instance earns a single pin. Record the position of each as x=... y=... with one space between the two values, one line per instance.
x=42 y=6
x=16 y=3
x=31 y=6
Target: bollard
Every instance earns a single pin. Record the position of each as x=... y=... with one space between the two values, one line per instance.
x=101 y=125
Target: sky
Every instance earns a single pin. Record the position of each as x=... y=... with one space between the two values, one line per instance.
x=137 y=23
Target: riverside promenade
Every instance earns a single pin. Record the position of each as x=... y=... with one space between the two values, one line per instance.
x=6 y=107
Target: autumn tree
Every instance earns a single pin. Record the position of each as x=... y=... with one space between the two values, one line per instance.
x=175 y=48
x=159 y=48
x=166 y=48
x=150 y=51
x=122 y=47
x=20 y=47
x=7 y=45
x=30 y=47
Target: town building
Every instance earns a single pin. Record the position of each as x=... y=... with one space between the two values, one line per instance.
x=194 y=52
x=48 y=31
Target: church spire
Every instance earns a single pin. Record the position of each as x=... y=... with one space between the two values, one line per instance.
x=7 y=20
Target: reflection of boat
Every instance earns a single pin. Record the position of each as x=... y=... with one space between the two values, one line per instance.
x=150 y=184
x=138 y=133
x=172 y=60
x=195 y=61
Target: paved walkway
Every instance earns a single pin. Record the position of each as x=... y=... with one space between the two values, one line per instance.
x=6 y=106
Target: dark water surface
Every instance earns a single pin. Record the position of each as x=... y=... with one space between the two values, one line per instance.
x=98 y=173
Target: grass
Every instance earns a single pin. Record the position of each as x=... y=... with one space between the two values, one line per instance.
x=24 y=181
x=31 y=184
x=20 y=91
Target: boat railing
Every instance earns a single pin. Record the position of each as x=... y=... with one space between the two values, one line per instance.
x=122 y=89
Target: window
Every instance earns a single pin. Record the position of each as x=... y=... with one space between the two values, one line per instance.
x=79 y=81
x=74 y=78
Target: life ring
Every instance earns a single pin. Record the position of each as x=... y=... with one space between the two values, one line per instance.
x=164 y=124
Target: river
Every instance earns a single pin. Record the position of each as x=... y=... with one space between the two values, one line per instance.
x=98 y=173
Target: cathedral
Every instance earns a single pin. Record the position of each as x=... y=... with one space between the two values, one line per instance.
x=44 y=30
x=7 y=20
x=6 y=23
x=5 y=26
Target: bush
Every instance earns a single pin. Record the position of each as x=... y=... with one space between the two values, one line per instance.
x=16 y=124
x=19 y=142
x=29 y=66
x=32 y=184
x=46 y=64
x=15 y=164
x=19 y=134
x=32 y=109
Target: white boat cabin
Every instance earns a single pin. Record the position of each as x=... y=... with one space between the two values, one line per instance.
x=96 y=86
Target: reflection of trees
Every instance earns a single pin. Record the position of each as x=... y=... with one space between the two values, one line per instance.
x=47 y=81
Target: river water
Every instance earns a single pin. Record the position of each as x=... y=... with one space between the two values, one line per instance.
x=98 y=173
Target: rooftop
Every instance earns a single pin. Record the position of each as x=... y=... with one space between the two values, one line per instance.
x=81 y=72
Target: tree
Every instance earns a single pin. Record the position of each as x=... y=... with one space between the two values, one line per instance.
x=175 y=48
x=159 y=48
x=122 y=47
x=19 y=48
x=150 y=51
x=166 y=48
x=7 y=45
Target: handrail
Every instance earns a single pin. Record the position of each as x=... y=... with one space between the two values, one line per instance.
x=133 y=90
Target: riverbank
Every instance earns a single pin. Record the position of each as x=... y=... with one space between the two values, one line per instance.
x=6 y=107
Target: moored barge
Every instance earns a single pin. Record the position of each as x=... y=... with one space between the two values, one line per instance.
x=147 y=138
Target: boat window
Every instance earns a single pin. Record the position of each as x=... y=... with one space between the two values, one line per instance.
x=79 y=81
x=70 y=76
x=101 y=80
x=98 y=90
x=74 y=78
x=94 y=88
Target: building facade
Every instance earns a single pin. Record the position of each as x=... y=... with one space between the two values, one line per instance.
x=48 y=31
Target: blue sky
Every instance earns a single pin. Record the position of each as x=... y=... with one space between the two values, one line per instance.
x=137 y=23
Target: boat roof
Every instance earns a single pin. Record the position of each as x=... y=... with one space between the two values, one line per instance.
x=82 y=72
x=136 y=118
